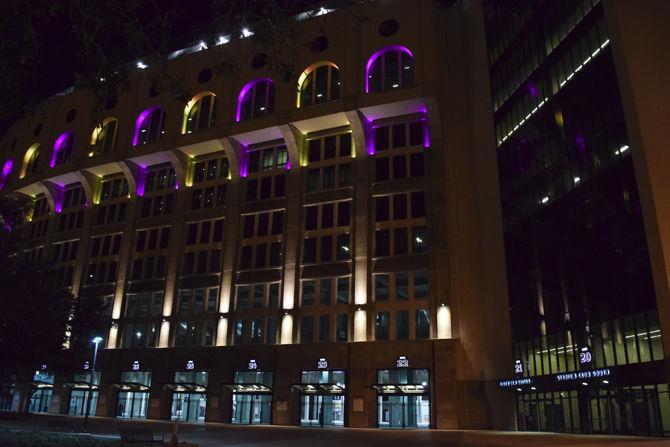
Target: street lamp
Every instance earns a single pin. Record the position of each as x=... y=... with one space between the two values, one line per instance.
x=96 y=341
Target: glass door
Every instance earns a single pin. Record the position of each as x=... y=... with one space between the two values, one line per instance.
x=322 y=410
x=132 y=405
x=40 y=399
x=403 y=411
x=251 y=408
x=189 y=407
x=78 y=401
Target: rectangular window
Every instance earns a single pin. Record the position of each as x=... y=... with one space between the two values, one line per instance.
x=326 y=291
x=381 y=138
x=344 y=214
x=419 y=240
x=382 y=287
x=420 y=285
x=307 y=329
x=343 y=247
x=308 y=292
x=382 y=326
x=343 y=290
x=242 y=297
x=400 y=241
x=402 y=286
x=342 y=327
x=382 y=169
x=402 y=325
x=309 y=252
x=421 y=324
x=259 y=296
x=382 y=243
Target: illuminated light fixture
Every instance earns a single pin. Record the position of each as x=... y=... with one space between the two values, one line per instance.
x=6 y=169
x=141 y=65
x=519 y=389
x=246 y=32
x=202 y=45
x=319 y=95
x=395 y=86
x=222 y=40
x=606 y=382
x=58 y=146
x=419 y=240
x=345 y=248
x=376 y=56
x=577 y=180
x=544 y=200
x=584 y=383
x=322 y=11
x=533 y=388
x=622 y=149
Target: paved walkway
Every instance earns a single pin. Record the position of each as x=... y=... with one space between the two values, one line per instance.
x=213 y=434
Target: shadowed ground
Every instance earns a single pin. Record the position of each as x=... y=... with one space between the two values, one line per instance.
x=214 y=434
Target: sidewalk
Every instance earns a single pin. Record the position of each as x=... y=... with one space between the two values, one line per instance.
x=216 y=434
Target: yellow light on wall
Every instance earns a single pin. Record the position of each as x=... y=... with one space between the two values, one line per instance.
x=444 y=322
x=360 y=322
x=164 y=336
x=221 y=332
x=286 y=336
x=304 y=74
x=113 y=333
x=190 y=105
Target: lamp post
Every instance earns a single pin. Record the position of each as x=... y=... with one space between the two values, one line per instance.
x=96 y=341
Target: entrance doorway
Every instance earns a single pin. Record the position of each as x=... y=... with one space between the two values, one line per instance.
x=78 y=401
x=251 y=409
x=132 y=405
x=322 y=410
x=189 y=407
x=403 y=411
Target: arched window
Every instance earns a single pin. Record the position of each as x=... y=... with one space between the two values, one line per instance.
x=6 y=170
x=257 y=98
x=320 y=82
x=389 y=68
x=103 y=137
x=31 y=160
x=199 y=113
x=149 y=126
x=63 y=149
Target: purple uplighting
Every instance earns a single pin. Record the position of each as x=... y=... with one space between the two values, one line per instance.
x=139 y=122
x=6 y=169
x=244 y=162
x=581 y=143
x=532 y=88
x=244 y=91
x=376 y=55
x=58 y=146
x=58 y=195
x=141 y=181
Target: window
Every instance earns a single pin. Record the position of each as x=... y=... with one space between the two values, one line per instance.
x=389 y=68
x=200 y=113
x=307 y=329
x=329 y=159
x=149 y=126
x=104 y=137
x=63 y=149
x=258 y=296
x=318 y=83
x=402 y=325
x=381 y=287
x=382 y=326
x=342 y=328
x=31 y=160
x=421 y=324
x=256 y=99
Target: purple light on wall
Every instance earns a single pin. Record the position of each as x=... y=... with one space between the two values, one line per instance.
x=288 y=165
x=580 y=142
x=244 y=91
x=426 y=133
x=139 y=122
x=376 y=56
x=532 y=89
x=58 y=146
x=244 y=162
x=6 y=170
x=140 y=181
x=58 y=195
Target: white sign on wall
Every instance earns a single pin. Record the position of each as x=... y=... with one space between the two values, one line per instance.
x=253 y=365
x=402 y=362
x=322 y=363
x=136 y=366
x=190 y=365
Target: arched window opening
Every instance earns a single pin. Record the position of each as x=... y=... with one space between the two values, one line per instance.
x=199 y=113
x=319 y=83
x=103 y=137
x=389 y=68
x=63 y=149
x=257 y=98
x=149 y=126
x=6 y=170
x=31 y=160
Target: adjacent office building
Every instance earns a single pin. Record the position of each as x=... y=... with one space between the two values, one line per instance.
x=577 y=95
x=323 y=249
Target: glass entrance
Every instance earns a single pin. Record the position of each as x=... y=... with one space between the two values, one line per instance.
x=40 y=400
x=132 y=405
x=78 y=400
x=324 y=411
x=403 y=411
x=251 y=408
x=189 y=407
